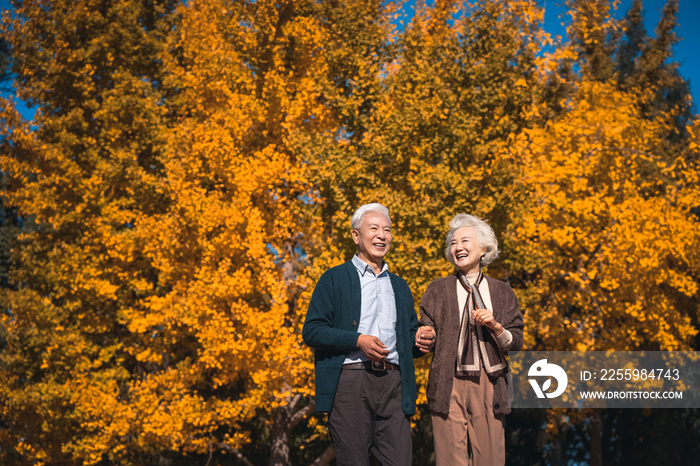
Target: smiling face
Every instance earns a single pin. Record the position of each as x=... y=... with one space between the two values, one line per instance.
x=373 y=238
x=465 y=250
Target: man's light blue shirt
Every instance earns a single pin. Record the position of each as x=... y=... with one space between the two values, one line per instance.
x=378 y=311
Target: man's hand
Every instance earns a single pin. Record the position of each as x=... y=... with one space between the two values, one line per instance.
x=485 y=317
x=372 y=347
x=425 y=338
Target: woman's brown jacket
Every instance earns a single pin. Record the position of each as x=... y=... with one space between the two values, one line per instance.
x=439 y=309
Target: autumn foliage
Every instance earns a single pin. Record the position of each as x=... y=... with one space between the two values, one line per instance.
x=193 y=166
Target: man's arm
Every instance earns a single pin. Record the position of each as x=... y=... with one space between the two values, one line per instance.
x=426 y=332
x=319 y=332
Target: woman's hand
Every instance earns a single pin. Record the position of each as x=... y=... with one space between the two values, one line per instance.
x=425 y=338
x=485 y=317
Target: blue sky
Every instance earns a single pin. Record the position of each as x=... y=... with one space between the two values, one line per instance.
x=685 y=51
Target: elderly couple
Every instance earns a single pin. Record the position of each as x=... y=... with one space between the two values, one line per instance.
x=363 y=327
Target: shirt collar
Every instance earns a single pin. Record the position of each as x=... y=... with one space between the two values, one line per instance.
x=363 y=266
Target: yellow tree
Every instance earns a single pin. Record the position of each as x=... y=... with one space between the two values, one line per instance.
x=607 y=243
x=458 y=81
x=595 y=181
x=164 y=278
x=464 y=75
x=605 y=249
x=84 y=171
x=225 y=306
x=217 y=332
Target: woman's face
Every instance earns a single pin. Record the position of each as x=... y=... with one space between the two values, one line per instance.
x=466 y=250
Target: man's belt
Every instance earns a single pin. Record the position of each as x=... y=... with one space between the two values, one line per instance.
x=381 y=366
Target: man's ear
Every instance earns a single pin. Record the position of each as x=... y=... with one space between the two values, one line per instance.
x=356 y=236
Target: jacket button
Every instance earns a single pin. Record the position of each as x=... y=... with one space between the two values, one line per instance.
x=496 y=406
x=354 y=322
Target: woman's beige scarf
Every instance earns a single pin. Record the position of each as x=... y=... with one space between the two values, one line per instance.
x=476 y=342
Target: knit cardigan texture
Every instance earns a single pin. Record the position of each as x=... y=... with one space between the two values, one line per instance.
x=331 y=326
x=440 y=309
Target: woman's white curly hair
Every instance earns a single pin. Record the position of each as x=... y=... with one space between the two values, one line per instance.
x=484 y=235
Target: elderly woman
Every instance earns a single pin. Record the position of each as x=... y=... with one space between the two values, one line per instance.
x=477 y=319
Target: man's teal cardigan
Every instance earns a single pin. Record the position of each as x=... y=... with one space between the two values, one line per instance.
x=331 y=325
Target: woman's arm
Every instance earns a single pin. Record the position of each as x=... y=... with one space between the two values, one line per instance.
x=513 y=320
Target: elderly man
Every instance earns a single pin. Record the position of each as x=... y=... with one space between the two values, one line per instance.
x=362 y=325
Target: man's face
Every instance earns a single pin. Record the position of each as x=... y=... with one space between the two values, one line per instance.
x=373 y=238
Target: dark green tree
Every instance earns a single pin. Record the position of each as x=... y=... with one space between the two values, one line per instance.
x=658 y=70
x=593 y=36
x=5 y=66
x=632 y=41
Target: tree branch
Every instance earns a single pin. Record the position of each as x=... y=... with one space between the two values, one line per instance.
x=211 y=451
x=236 y=453
x=294 y=401
x=301 y=414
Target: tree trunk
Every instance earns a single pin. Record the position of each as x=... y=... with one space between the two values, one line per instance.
x=279 y=453
x=556 y=448
x=595 y=448
x=282 y=425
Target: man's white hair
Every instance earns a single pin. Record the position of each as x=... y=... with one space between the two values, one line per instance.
x=484 y=235
x=359 y=214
